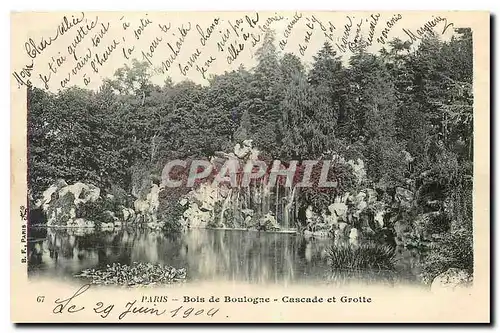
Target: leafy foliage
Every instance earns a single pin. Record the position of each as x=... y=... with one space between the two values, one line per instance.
x=453 y=250
x=135 y=275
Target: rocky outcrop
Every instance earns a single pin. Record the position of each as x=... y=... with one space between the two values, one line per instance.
x=404 y=197
x=246 y=150
x=81 y=205
x=354 y=236
x=451 y=280
x=61 y=201
x=268 y=222
x=219 y=205
x=351 y=215
x=49 y=194
x=214 y=204
x=80 y=223
x=82 y=193
x=363 y=212
x=338 y=209
x=128 y=214
x=201 y=204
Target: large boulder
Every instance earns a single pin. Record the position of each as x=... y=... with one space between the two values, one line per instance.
x=197 y=218
x=339 y=210
x=146 y=206
x=141 y=206
x=268 y=222
x=310 y=215
x=246 y=151
x=379 y=217
x=61 y=201
x=83 y=193
x=201 y=203
x=354 y=237
x=405 y=233
x=360 y=204
x=451 y=280
x=49 y=194
x=247 y=212
x=242 y=151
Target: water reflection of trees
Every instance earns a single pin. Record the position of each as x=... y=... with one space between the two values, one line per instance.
x=207 y=254
x=256 y=257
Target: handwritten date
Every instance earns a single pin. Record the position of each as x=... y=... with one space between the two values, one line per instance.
x=73 y=304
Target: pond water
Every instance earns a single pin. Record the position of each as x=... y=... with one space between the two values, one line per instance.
x=208 y=255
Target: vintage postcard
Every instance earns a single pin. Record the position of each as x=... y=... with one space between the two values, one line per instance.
x=250 y=167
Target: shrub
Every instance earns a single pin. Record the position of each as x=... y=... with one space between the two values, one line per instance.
x=97 y=211
x=170 y=211
x=454 y=250
x=120 y=195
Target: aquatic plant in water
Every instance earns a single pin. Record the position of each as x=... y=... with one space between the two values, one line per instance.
x=369 y=256
x=138 y=274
